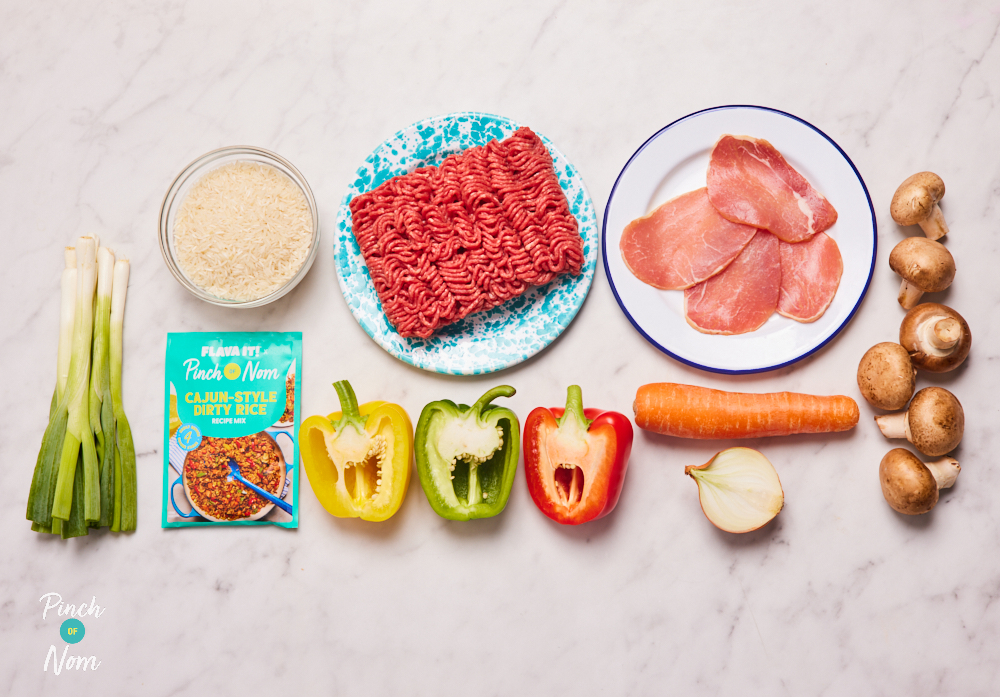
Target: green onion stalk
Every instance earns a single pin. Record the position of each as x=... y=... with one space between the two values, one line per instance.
x=101 y=415
x=125 y=488
x=67 y=310
x=79 y=436
x=44 y=477
x=99 y=365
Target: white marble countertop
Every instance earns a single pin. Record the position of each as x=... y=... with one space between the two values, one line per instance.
x=101 y=108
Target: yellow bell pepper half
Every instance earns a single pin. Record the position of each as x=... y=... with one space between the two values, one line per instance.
x=358 y=460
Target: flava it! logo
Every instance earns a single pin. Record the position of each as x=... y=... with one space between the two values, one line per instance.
x=71 y=631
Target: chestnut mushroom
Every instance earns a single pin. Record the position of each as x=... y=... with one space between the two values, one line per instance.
x=925 y=267
x=886 y=377
x=916 y=203
x=934 y=423
x=911 y=486
x=937 y=338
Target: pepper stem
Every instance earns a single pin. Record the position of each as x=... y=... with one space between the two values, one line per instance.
x=498 y=391
x=574 y=408
x=348 y=407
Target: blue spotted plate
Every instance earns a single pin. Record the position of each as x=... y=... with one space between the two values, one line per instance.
x=483 y=342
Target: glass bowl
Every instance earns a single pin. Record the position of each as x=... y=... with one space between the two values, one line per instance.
x=190 y=176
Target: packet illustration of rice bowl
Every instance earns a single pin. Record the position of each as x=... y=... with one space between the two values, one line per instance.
x=231 y=421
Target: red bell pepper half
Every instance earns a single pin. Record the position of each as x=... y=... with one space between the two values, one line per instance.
x=575 y=459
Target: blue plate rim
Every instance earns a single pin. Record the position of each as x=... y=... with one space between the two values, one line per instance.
x=748 y=371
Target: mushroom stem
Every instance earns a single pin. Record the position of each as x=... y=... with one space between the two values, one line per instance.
x=934 y=226
x=946 y=332
x=909 y=295
x=894 y=425
x=945 y=471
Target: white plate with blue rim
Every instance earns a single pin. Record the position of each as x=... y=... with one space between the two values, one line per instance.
x=483 y=342
x=675 y=160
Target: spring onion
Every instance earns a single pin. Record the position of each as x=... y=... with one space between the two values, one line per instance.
x=85 y=472
x=124 y=479
x=43 y=480
x=67 y=310
x=99 y=380
x=78 y=433
x=101 y=419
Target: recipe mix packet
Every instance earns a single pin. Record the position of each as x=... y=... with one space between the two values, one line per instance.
x=230 y=432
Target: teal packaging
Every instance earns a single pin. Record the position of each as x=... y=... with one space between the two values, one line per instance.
x=230 y=431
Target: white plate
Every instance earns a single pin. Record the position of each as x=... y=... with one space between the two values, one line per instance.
x=485 y=341
x=674 y=161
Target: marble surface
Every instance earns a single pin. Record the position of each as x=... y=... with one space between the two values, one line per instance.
x=102 y=106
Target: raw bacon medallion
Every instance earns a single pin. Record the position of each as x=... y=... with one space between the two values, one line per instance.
x=682 y=243
x=810 y=276
x=750 y=182
x=741 y=298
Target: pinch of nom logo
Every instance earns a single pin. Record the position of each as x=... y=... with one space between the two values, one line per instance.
x=71 y=631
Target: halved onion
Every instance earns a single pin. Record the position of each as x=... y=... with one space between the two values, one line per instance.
x=739 y=489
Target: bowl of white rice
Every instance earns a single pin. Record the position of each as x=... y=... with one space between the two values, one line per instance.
x=239 y=227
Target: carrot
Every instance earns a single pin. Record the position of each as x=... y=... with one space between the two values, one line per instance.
x=686 y=411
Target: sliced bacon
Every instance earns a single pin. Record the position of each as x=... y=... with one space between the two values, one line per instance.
x=741 y=298
x=681 y=243
x=810 y=276
x=750 y=182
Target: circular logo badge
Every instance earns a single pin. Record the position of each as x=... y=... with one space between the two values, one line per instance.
x=188 y=437
x=231 y=371
x=72 y=631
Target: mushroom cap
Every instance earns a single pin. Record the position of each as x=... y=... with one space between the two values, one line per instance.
x=923 y=263
x=916 y=197
x=907 y=484
x=924 y=355
x=936 y=421
x=886 y=377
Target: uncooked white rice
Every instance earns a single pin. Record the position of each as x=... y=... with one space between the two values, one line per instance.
x=243 y=231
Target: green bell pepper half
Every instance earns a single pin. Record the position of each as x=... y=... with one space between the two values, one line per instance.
x=467 y=456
